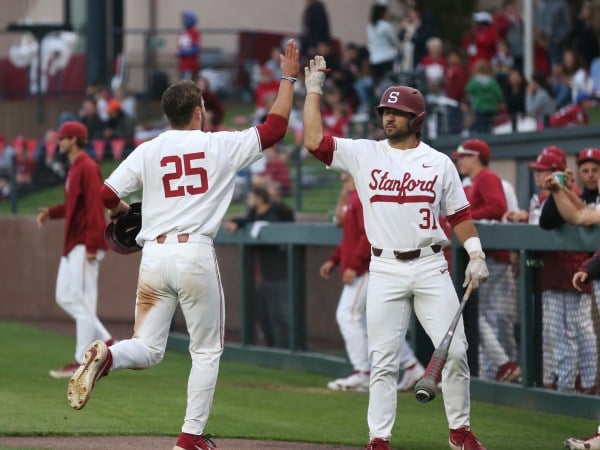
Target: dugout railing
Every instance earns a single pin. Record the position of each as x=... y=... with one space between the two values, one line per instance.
x=528 y=240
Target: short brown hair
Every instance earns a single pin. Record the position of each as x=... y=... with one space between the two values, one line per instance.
x=179 y=100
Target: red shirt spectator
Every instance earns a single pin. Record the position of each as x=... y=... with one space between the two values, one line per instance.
x=277 y=171
x=455 y=76
x=188 y=47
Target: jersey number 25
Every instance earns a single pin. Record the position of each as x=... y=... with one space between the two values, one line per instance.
x=182 y=166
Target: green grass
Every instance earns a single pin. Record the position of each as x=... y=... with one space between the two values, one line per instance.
x=250 y=402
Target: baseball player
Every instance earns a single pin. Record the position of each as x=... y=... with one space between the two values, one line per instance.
x=188 y=179
x=353 y=255
x=498 y=297
x=567 y=311
x=404 y=185
x=83 y=249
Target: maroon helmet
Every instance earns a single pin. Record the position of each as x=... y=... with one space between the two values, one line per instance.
x=407 y=99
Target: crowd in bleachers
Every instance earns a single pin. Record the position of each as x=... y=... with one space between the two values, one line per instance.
x=476 y=85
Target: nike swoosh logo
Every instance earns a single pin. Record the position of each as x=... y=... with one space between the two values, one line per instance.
x=443 y=270
x=425 y=166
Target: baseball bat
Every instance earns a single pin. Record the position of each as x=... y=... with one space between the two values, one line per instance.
x=426 y=387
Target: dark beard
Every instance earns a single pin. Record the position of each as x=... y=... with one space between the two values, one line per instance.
x=398 y=135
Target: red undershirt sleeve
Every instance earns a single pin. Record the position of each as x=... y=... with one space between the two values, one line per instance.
x=459 y=216
x=109 y=198
x=324 y=152
x=272 y=130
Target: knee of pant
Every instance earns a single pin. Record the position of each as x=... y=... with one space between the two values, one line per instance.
x=457 y=350
x=155 y=355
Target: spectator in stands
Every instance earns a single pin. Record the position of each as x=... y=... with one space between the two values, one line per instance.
x=270 y=296
x=434 y=56
x=276 y=170
x=213 y=106
x=383 y=43
x=273 y=63
x=578 y=74
x=498 y=297
x=575 y=114
x=455 y=82
x=510 y=28
x=264 y=94
x=7 y=152
x=128 y=101
x=101 y=93
x=119 y=126
x=539 y=103
x=315 y=27
x=355 y=77
x=408 y=30
x=485 y=96
x=188 y=46
x=585 y=33
x=566 y=310
x=553 y=20
x=561 y=88
x=502 y=64
x=426 y=28
x=482 y=44
x=283 y=210
x=514 y=96
x=88 y=115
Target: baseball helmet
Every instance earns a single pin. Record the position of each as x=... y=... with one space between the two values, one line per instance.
x=588 y=154
x=407 y=99
x=120 y=235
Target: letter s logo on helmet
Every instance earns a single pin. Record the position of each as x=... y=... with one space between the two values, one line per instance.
x=407 y=99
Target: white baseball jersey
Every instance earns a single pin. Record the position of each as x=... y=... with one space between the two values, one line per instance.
x=188 y=178
x=402 y=191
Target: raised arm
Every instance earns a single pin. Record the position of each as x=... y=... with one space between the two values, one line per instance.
x=313 y=122
x=290 y=67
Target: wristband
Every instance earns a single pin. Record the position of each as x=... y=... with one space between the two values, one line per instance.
x=473 y=244
x=292 y=79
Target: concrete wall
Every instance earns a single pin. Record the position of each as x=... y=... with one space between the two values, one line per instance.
x=30 y=260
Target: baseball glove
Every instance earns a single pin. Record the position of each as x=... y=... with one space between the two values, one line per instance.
x=120 y=234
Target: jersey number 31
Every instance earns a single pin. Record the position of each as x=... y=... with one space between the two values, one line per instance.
x=182 y=166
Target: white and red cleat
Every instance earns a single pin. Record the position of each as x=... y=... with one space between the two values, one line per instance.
x=463 y=438
x=378 y=444
x=188 y=441
x=587 y=443
x=96 y=363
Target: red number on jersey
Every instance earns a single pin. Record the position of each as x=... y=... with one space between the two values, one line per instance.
x=184 y=168
x=429 y=221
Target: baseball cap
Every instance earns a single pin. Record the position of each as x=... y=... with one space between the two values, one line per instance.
x=473 y=147
x=482 y=17
x=548 y=160
x=588 y=154
x=113 y=106
x=74 y=129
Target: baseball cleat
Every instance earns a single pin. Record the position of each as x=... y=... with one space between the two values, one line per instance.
x=96 y=363
x=66 y=371
x=463 y=438
x=188 y=441
x=357 y=381
x=378 y=444
x=410 y=377
x=587 y=443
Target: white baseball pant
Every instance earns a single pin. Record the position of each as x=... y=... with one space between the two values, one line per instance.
x=77 y=295
x=186 y=274
x=392 y=285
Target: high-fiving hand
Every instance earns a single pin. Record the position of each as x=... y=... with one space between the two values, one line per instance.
x=314 y=75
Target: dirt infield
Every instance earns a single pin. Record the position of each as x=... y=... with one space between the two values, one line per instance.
x=146 y=442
